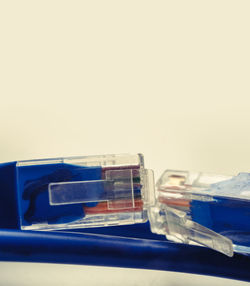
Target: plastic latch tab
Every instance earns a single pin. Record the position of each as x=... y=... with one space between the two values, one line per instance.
x=186 y=230
x=117 y=189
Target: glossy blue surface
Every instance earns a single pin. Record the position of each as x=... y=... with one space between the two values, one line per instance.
x=228 y=217
x=32 y=188
x=93 y=249
x=8 y=198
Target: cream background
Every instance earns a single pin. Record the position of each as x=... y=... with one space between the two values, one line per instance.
x=28 y=274
x=169 y=79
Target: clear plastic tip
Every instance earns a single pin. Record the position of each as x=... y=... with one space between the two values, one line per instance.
x=84 y=192
x=204 y=209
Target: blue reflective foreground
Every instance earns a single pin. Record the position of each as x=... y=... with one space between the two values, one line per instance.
x=103 y=250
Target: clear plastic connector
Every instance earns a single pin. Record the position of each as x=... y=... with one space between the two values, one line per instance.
x=203 y=209
x=84 y=192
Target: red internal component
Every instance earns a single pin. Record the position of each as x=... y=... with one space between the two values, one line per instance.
x=102 y=207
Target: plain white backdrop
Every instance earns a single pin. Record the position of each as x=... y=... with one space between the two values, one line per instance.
x=169 y=79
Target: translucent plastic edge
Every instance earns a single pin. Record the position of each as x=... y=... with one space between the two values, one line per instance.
x=180 y=225
x=127 y=218
x=206 y=194
x=148 y=187
x=92 y=160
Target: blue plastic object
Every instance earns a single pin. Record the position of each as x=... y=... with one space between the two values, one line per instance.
x=102 y=250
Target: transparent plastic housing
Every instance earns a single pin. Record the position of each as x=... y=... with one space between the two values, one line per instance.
x=203 y=209
x=81 y=192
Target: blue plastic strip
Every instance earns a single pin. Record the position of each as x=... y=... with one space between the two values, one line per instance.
x=8 y=200
x=93 y=249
